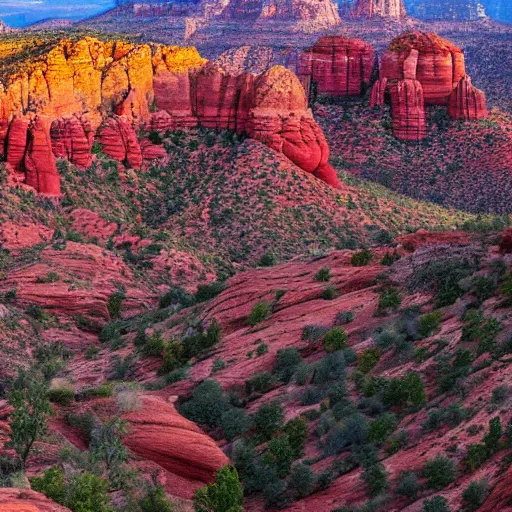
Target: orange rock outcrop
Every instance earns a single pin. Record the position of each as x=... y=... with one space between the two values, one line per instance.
x=25 y=500
x=88 y=89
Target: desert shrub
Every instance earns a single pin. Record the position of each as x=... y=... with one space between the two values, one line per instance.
x=155 y=344
x=403 y=391
x=260 y=382
x=329 y=293
x=331 y=367
x=29 y=419
x=267 y=260
x=63 y=395
x=500 y=395
x=343 y=318
x=376 y=478
x=451 y=415
x=389 y=258
x=259 y=312
x=439 y=472
x=368 y=359
x=207 y=405
x=268 y=419
x=408 y=485
x=84 y=423
x=176 y=297
x=235 y=422
x=172 y=356
x=336 y=339
x=114 y=303
x=314 y=332
x=483 y=287
x=428 y=324
x=226 y=494
x=196 y=344
x=302 y=479
x=10 y=467
x=279 y=454
x=323 y=275
x=493 y=437
x=312 y=395
x=261 y=349
x=436 y=504
x=103 y=391
x=476 y=455
x=361 y=258
x=382 y=427
x=52 y=484
x=286 y=363
x=209 y=291
x=475 y=494
x=297 y=431
x=389 y=299
x=354 y=431
x=303 y=373
x=155 y=500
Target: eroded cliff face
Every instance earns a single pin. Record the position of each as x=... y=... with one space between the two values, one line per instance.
x=423 y=69
x=88 y=90
x=340 y=66
x=383 y=8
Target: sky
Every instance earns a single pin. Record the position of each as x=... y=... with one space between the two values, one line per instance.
x=17 y=13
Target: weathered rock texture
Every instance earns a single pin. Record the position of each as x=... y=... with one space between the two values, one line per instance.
x=340 y=66
x=436 y=67
x=86 y=90
x=383 y=8
x=25 y=500
x=160 y=434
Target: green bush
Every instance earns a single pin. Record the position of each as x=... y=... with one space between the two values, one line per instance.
x=172 y=357
x=336 y=339
x=155 y=500
x=260 y=383
x=403 y=391
x=376 y=478
x=436 y=504
x=176 y=297
x=343 y=318
x=61 y=396
x=476 y=455
x=259 y=312
x=267 y=260
x=279 y=454
x=207 y=405
x=368 y=359
x=329 y=293
x=155 y=345
x=389 y=299
x=302 y=479
x=209 y=291
x=103 y=391
x=323 y=275
x=382 y=427
x=225 y=495
x=268 y=419
x=474 y=495
x=439 y=472
x=286 y=363
x=234 y=423
x=483 y=287
x=297 y=431
x=361 y=258
x=428 y=324
x=52 y=484
x=114 y=303
x=408 y=485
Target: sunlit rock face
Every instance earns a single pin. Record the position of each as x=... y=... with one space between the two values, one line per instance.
x=382 y=8
x=88 y=90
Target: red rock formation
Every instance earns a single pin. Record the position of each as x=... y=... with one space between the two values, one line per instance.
x=437 y=65
x=500 y=498
x=340 y=66
x=407 y=110
x=16 y=143
x=39 y=163
x=119 y=141
x=25 y=500
x=467 y=102
x=160 y=434
x=72 y=138
x=384 y=8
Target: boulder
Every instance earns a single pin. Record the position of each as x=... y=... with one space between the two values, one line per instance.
x=160 y=434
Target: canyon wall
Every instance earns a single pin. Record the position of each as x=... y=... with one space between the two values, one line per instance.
x=382 y=8
x=88 y=90
x=420 y=69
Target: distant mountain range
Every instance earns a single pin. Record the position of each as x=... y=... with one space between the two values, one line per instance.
x=500 y=10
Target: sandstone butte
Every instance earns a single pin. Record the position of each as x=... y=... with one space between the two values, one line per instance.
x=383 y=8
x=420 y=69
x=88 y=90
x=340 y=66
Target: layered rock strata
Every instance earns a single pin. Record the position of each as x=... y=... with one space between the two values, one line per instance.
x=88 y=90
x=421 y=69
